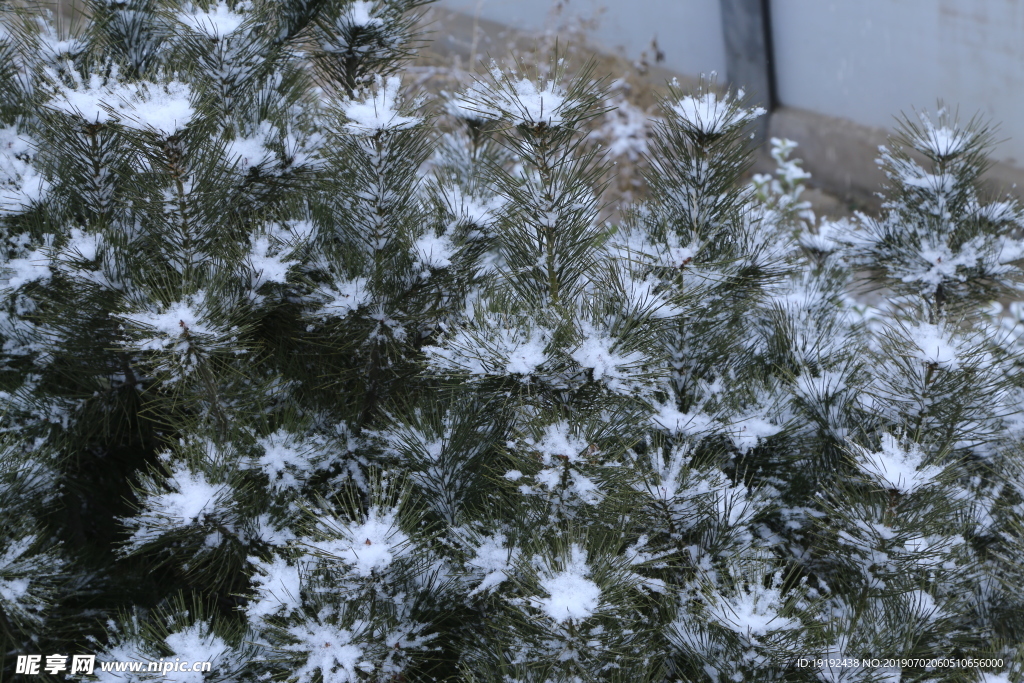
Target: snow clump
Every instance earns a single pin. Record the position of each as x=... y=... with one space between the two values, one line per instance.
x=571 y=594
x=895 y=467
x=707 y=115
x=378 y=110
x=216 y=22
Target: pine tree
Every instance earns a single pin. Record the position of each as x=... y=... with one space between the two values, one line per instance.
x=319 y=379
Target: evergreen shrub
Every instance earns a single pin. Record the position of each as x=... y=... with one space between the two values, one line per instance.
x=320 y=380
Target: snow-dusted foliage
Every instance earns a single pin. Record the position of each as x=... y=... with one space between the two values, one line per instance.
x=21 y=184
x=936 y=237
x=32 y=563
x=318 y=379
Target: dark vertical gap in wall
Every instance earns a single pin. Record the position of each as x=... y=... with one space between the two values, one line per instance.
x=749 y=57
x=769 y=48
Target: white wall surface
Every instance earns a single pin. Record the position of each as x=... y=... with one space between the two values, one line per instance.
x=862 y=60
x=868 y=60
x=689 y=32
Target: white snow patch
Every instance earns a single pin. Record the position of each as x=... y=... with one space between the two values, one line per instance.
x=246 y=152
x=461 y=108
x=625 y=130
x=86 y=99
x=828 y=238
x=896 y=467
x=557 y=449
x=667 y=416
x=161 y=108
x=217 y=22
x=941 y=141
x=469 y=209
x=571 y=594
x=493 y=558
x=13 y=590
x=21 y=271
x=164 y=108
x=191 y=497
x=197 y=643
x=942 y=263
x=54 y=50
x=504 y=351
x=285 y=459
x=332 y=651
x=527 y=356
x=919 y=178
x=733 y=504
x=21 y=185
x=819 y=388
x=278 y=586
x=1009 y=249
x=433 y=251
x=643 y=297
x=193 y=494
x=521 y=102
x=344 y=296
x=83 y=245
x=265 y=267
x=752 y=613
x=360 y=14
x=934 y=345
x=923 y=605
x=747 y=431
x=558 y=441
x=367 y=547
x=708 y=115
x=302 y=150
x=378 y=111
x=580 y=487
x=178 y=319
x=608 y=366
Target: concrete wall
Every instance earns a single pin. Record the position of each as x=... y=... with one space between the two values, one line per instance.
x=868 y=60
x=689 y=32
x=843 y=68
